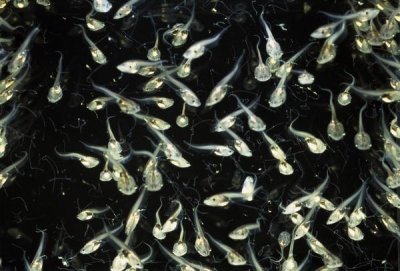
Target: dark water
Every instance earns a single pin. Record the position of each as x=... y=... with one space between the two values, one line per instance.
x=50 y=191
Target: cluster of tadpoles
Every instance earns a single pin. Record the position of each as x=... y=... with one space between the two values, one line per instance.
x=14 y=74
x=370 y=35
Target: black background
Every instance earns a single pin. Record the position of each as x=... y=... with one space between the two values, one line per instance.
x=49 y=191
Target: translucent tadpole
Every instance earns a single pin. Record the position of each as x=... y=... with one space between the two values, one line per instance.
x=185 y=68
x=21 y=3
x=340 y=212
x=123 y=11
x=94 y=24
x=273 y=64
x=153 y=180
x=362 y=26
x=373 y=36
x=102 y=6
x=355 y=233
x=154 y=54
x=163 y=102
x=239 y=144
x=86 y=161
x=154 y=84
x=305 y=78
x=362 y=140
x=45 y=3
x=362 y=45
x=273 y=48
x=242 y=232
x=315 y=245
x=91 y=246
x=394 y=127
x=98 y=103
x=392 y=46
x=55 y=94
x=113 y=144
x=279 y=94
x=223 y=151
x=314 y=144
x=135 y=214
x=344 y=97
x=285 y=168
x=201 y=244
x=233 y=257
x=328 y=50
x=180 y=31
x=91 y=213
x=180 y=247
x=171 y=224
x=290 y=264
x=179 y=37
x=255 y=123
x=119 y=262
x=326 y=204
x=126 y=184
x=3 y=145
x=105 y=174
x=154 y=122
x=286 y=68
x=274 y=148
x=356 y=217
x=393 y=176
x=284 y=239
x=389 y=29
x=3 y=3
x=335 y=128
x=157 y=229
x=262 y=72
x=324 y=31
x=97 y=55
x=182 y=120
x=128 y=106
x=390 y=224
x=327 y=53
